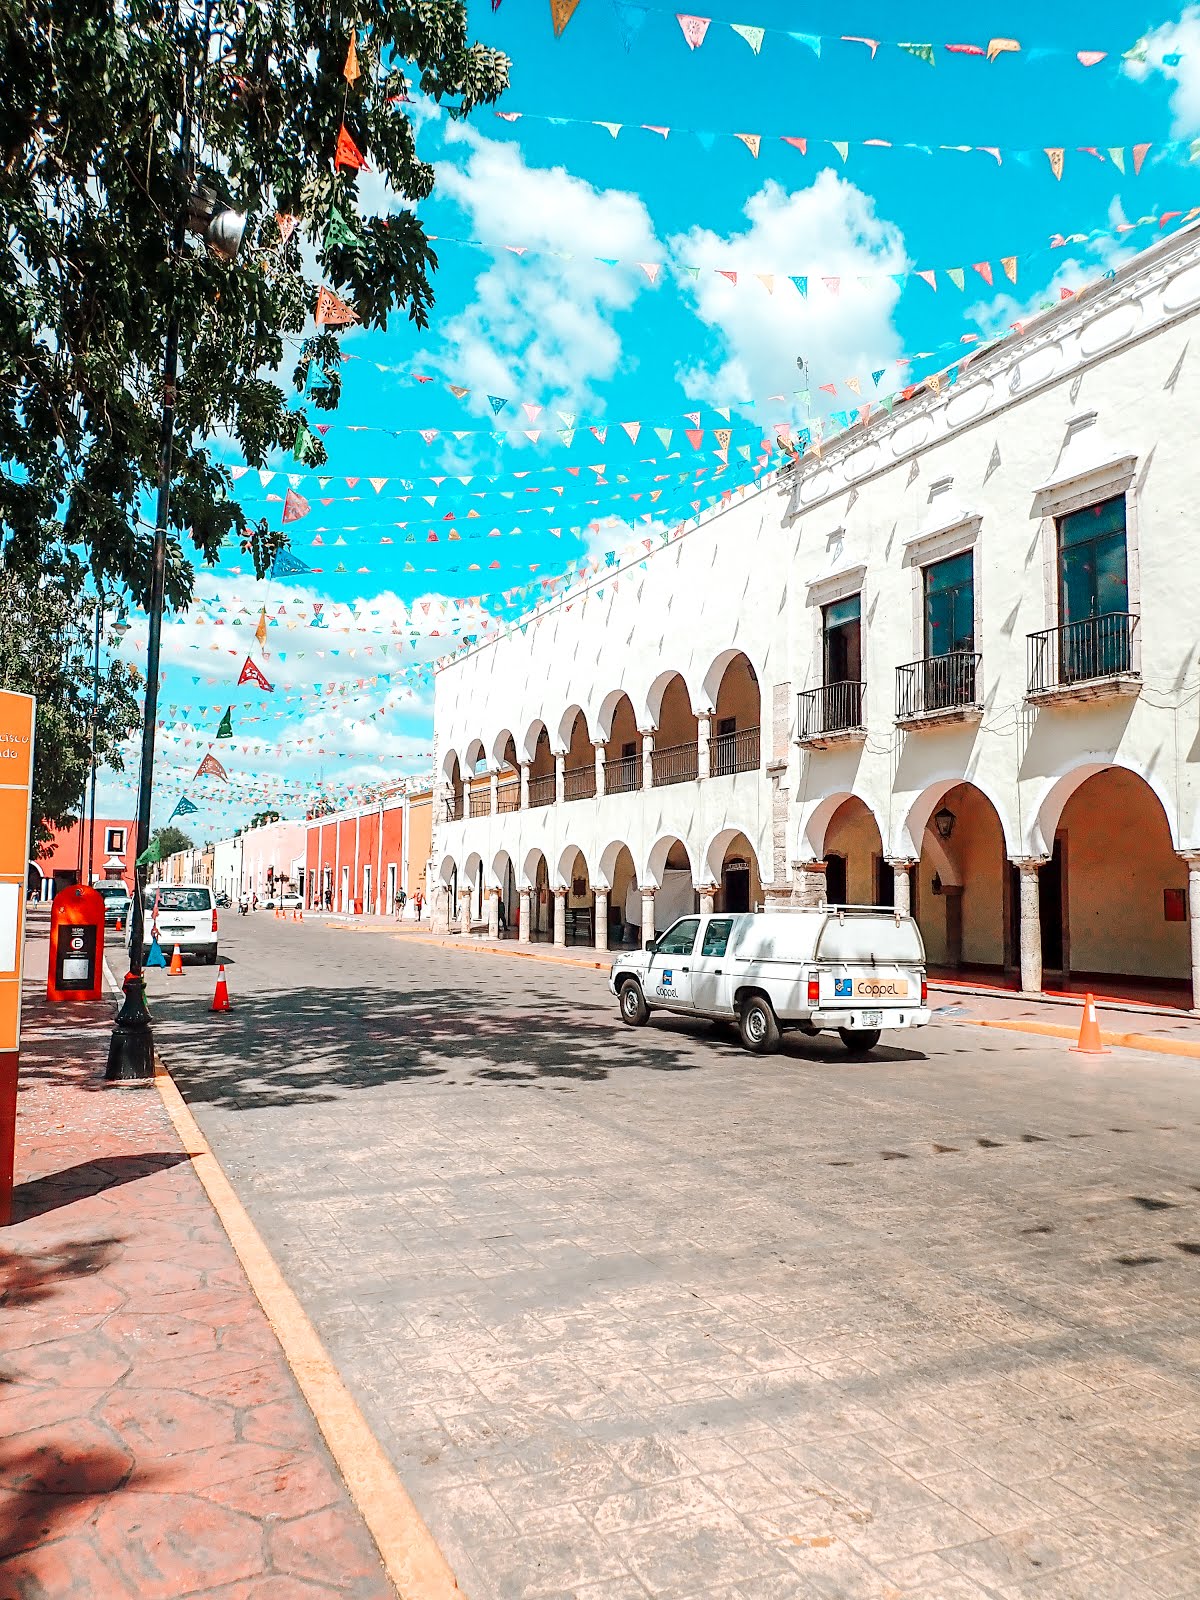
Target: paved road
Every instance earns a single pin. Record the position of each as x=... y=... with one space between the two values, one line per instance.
x=640 y=1315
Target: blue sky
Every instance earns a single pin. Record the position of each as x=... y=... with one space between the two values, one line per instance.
x=599 y=345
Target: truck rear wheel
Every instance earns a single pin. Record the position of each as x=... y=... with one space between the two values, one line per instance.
x=757 y=1026
x=859 y=1040
x=634 y=1010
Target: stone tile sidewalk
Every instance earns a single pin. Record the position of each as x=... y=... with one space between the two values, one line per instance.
x=153 y=1442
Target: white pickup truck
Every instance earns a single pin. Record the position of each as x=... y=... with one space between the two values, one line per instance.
x=851 y=969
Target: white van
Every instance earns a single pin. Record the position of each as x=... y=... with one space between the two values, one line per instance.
x=853 y=969
x=186 y=916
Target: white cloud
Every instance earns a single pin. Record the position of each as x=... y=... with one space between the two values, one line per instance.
x=828 y=230
x=1174 y=51
x=615 y=534
x=540 y=327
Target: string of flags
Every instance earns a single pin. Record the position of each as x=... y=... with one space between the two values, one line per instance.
x=1124 y=158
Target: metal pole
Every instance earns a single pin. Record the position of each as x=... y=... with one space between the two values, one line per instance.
x=95 y=715
x=131 y=1048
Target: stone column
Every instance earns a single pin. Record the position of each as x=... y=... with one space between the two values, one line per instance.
x=601 y=919
x=902 y=884
x=560 y=776
x=708 y=899
x=524 y=785
x=525 y=920
x=703 y=748
x=493 y=913
x=560 y=916
x=1193 y=900
x=953 y=895
x=647 y=758
x=809 y=887
x=1031 y=924
x=647 y=914
x=465 y=897
x=599 y=744
x=494 y=786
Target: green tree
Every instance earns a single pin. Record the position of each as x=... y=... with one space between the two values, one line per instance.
x=261 y=818
x=46 y=649
x=97 y=101
x=170 y=840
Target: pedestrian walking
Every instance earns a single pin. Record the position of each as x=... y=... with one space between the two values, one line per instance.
x=401 y=902
x=418 y=901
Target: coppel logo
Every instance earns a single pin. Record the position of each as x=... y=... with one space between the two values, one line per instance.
x=668 y=975
x=843 y=987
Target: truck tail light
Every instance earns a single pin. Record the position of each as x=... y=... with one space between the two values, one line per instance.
x=924 y=990
x=814 y=989
x=214 y=928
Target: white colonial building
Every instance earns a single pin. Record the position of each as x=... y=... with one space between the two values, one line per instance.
x=954 y=661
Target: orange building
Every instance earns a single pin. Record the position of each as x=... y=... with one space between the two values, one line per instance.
x=102 y=854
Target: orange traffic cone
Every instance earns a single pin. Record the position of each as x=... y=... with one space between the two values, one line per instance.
x=120 y=926
x=295 y=915
x=221 y=997
x=176 y=969
x=1090 y=1043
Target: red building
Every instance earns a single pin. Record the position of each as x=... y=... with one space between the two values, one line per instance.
x=355 y=859
x=74 y=856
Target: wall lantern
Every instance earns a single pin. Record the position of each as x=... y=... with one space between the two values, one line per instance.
x=944 y=821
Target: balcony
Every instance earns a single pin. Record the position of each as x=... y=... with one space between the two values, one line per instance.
x=541 y=791
x=677 y=763
x=508 y=798
x=622 y=774
x=480 y=803
x=733 y=752
x=831 y=715
x=579 y=783
x=939 y=689
x=1088 y=660
x=453 y=808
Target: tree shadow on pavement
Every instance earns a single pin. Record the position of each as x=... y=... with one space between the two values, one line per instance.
x=28 y=1278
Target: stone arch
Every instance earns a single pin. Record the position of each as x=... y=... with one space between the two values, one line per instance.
x=504 y=749
x=567 y=859
x=715 y=676
x=447 y=871
x=617 y=874
x=856 y=868
x=652 y=703
x=1060 y=789
x=473 y=755
x=566 y=725
x=964 y=898
x=450 y=765
x=533 y=733
x=500 y=870
x=668 y=847
x=815 y=826
x=608 y=710
x=535 y=877
x=728 y=846
x=912 y=830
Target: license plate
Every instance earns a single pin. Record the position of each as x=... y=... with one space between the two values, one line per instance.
x=872 y=1019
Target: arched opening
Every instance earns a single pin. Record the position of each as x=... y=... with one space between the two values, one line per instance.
x=734 y=744
x=965 y=896
x=472 y=879
x=622 y=745
x=675 y=758
x=624 y=896
x=1114 y=903
x=508 y=784
x=504 y=879
x=541 y=899
x=445 y=895
x=541 y=765
x=573 y=874
x=669 y=873
x=579 y=776
x=856 y=873
x=733 y=866
x=452 y=774
x=478 y=780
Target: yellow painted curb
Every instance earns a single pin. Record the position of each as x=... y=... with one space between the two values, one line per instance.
x=411 y=1556
x=1124 y=1041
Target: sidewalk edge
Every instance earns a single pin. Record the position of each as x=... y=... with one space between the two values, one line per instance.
x=410 y=1554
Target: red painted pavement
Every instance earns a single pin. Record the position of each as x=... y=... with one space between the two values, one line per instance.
x=153 y=1443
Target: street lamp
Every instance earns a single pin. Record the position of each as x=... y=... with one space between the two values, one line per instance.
x=944 y=821
x=131 y=1048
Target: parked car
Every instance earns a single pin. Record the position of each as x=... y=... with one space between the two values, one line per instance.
x=187 y=917
x=116 y=902
x=292 y=902
x=851 y=969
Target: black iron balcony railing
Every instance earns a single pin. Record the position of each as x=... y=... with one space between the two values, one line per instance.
x=939 y=683
x=508 y=798
x=622 y=774
x=541 y=791
x=833 y=708
x=675 y=763
x=454 y=808
x=733 y=752
x=1096 y=647
x=579 y=783
x=480 y=803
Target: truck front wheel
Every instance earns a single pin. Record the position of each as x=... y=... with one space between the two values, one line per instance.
x=634 y=1010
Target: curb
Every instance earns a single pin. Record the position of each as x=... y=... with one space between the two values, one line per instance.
x=411 y=1556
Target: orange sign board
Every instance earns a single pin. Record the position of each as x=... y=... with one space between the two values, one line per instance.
x=16 y=787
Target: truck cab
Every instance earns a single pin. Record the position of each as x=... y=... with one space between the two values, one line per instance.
x=853 y=970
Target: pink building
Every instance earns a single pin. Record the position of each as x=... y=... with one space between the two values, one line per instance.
x=269 y=854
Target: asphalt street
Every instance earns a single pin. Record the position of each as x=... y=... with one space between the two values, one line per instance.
x=637 y=1314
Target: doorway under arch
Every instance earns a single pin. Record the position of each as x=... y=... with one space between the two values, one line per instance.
x=965 y=892
x=856 y=873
